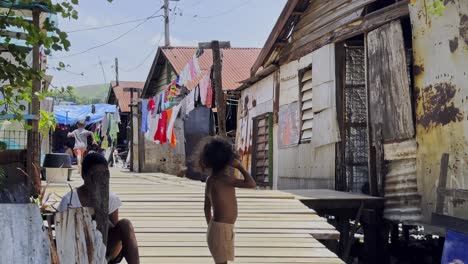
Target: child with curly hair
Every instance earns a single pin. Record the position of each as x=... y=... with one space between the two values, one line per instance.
x=219 y=156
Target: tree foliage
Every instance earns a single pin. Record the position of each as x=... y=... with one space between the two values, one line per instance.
x=16 y=76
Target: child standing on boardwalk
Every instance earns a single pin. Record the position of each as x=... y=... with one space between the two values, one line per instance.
x=81 y=142
x=220 y=197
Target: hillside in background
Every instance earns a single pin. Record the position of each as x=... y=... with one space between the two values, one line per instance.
x=96 y=93
x=89 y=94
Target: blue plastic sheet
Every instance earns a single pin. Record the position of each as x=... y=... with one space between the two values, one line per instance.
x=455 y=248
x=71 y=114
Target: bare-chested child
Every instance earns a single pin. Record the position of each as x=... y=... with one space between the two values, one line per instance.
x=220 y=196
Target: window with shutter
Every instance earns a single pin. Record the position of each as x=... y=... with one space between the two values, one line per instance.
x=307 y=115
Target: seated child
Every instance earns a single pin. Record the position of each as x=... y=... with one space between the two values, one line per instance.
x=121 y=240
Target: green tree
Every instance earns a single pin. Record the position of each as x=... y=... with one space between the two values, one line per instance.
x=16 y=75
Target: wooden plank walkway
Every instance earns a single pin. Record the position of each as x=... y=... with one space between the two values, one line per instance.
x=167 y=212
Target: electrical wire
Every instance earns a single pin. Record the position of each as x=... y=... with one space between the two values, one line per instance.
x=222 y=13
x=146 y=58
x=113 y=25
x=110 y=41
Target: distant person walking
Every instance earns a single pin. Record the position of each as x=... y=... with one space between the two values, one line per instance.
x=220 y=196
x=81 y=142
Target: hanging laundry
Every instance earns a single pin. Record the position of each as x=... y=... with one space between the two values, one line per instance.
x=204 y=83
x=144 y=115
x=151 y=105
x=170 y=127
x=161 y=133
x=172 y=91
x=116 y=115
x=209 y=97
x=152 y=127
x=194 y=67
x=105 y=125
x=113 y=129
x=197 y=96
x=190 y=102
x=105 y=143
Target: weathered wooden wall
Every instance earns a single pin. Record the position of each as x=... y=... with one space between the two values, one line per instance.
x=325 y=22
x=391 y=120
x=24 y=238
x=78 y=240
x=310 y=165
x=440 y=70
x=255 y=101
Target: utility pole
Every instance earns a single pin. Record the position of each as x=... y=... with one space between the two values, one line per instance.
x=167 y=39
x=216 y=47
x=33 y=141
x=116 y=72
x=102 y=68
x=132 y=130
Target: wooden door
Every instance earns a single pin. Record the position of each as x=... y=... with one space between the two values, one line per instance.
x=390 y=109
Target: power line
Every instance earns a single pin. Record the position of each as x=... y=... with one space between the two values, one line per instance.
x=223 y=12
x=110 y=41
x=113 y=25
x=147 y=56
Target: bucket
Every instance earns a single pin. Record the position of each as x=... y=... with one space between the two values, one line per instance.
x=56 y=175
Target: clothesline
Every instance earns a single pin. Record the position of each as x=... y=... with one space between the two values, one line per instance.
x=160 y=112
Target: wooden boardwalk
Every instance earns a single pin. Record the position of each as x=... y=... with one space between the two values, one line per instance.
x=167 y=212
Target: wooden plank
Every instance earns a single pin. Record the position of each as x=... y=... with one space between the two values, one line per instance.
x=388 y=76
x=341 y=14
x=347 y=30
x=442 y=183
x=78 y=241
x=249 y=260
x=240 y=252
x=24 y=238
x=167 y=215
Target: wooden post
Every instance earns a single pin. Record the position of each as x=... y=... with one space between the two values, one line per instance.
x=33 y=141
x=215 y=46
x=131 y=150
x=442 y=183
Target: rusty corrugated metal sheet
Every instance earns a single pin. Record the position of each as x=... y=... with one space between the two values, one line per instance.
x=402 y=200
x=440 y=44
x=124 y=97
x=236 y=63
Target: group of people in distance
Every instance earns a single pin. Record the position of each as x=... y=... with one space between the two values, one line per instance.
x=217 y=155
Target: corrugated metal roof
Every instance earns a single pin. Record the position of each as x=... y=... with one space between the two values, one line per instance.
x=123 y=98
x=236 y=63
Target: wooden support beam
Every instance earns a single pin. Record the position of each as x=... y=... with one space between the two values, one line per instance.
x=216 y=47
x=34 y=141
x=442 y=183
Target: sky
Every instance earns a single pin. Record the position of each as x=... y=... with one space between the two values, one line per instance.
x=246 y=23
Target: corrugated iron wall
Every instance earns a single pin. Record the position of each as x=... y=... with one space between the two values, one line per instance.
x=440 y=43
x=402 y=201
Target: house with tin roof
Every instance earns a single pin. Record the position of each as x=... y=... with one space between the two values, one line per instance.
x=117 y=96
x=168 y=64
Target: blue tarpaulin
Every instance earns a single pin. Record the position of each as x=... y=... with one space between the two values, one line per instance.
x=71 y=114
